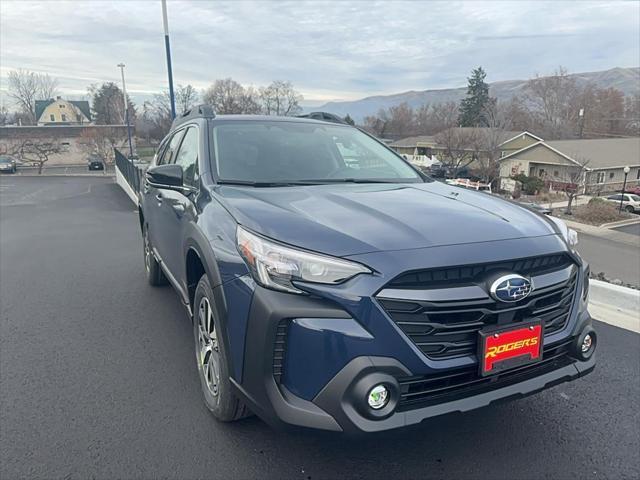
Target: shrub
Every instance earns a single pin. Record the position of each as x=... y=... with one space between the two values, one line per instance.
x=530 y=185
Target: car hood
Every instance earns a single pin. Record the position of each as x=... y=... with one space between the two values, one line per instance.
x=350 y=219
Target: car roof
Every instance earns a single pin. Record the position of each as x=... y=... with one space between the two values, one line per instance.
x=273 y=118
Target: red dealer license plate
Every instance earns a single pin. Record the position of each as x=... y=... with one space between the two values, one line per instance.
x=504 y=348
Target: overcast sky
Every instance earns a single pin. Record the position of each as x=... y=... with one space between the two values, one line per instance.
x=329 y=50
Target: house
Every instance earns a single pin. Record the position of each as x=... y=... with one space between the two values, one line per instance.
x=473 y=141
x=598 y=164
x=62 y=112
x=419 y=150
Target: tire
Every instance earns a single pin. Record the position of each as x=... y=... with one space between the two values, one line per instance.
x=629 y=208
x=152 y=268
x=212 y=358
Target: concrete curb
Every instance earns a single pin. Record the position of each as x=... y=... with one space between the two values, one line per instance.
x=614 y=304
x=621 y=223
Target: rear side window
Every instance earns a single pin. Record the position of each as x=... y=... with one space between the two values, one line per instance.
x=187 y=156
x=614 y=197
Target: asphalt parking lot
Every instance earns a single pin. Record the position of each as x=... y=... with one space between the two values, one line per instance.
x=98 y=379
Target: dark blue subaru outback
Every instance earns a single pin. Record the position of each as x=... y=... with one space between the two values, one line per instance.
x=334 y=286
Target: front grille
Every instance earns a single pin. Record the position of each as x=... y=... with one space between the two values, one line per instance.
x=280 y=349
x=449 y=329
x=417 y=391
x=468 y=274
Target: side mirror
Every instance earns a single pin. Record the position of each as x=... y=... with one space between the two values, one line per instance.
x=165 y=176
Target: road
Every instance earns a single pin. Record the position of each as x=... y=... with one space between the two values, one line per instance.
x=617 y=260
x=634 y=229
x=97 y=377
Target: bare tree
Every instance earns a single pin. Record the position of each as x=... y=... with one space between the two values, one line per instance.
x=25 y=87
x=573 y=182
x=228 y=96
x=186 y=98
x=36 y=151
x=101 y=142
x=5 y=116
x=377 y=124
x=156 y=117
x=461 y=146
x=489 y=140
x=280 y=98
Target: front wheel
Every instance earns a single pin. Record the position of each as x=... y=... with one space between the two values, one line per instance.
x=629 y=208
x=212 y=358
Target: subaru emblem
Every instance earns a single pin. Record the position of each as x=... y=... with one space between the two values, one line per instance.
x=510 y=288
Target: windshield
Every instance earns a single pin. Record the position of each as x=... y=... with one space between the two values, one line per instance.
x=634 y=198
x=290 y=152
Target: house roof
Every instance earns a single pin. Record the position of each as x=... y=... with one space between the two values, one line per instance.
x=81 y=105
x=413 y=141
x=544 y=145
x=518 y=134
x=601 y=152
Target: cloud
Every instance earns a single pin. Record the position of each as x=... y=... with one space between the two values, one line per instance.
x=329 y=50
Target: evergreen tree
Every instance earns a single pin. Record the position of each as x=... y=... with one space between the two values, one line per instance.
x=349 y=120
x=473 y=108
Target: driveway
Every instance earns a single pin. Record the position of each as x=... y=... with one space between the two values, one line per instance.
x=98 y=379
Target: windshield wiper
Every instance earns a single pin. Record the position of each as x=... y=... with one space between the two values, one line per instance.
x=352 y=180
x=252 y=183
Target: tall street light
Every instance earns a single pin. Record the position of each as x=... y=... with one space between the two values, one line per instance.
x=167 y=47
x=624 y=186
x=126 y=109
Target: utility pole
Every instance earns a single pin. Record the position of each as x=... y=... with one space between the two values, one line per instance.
x=126 y=109
x=165 y=23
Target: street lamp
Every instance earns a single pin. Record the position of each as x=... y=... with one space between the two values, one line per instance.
x=126 y=109
x=624 y=186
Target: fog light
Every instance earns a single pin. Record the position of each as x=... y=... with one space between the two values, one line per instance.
x=378 y=397
x=587 y=343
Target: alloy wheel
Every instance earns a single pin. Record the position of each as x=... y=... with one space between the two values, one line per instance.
x=208 y=351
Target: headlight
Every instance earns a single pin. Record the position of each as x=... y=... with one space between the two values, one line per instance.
x=570 y=235
x=277 y=266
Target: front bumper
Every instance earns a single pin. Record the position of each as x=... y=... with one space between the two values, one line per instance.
x=333 y=350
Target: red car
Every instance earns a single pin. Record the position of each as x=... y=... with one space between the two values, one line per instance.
x=635 y=190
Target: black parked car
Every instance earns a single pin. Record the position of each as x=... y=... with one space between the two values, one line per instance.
x=95 y=163
x=7 y=164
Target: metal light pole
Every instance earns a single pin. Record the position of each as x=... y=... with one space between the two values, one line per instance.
x=126 y=109
x=624 y=187
x=165 y=23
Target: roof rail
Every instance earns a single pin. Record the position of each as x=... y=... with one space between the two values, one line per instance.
x=324 y=116
x=199 y=111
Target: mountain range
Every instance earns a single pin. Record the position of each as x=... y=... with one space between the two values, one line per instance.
x=626 y=80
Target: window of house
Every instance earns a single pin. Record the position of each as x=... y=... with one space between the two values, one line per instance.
x=62 y=106
x=64 y=117
x=556 y=173
x=541 y=172
x=78 y=118
x=638 y=174
x=600 y=177
x=611 y=175
x=52 y=117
